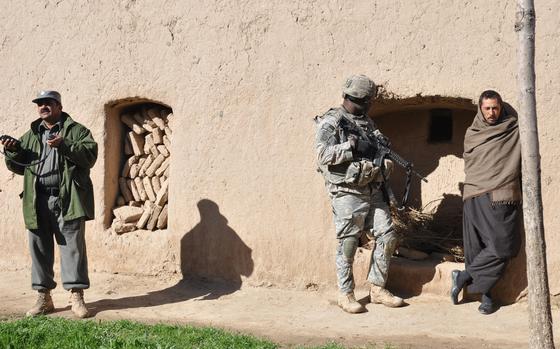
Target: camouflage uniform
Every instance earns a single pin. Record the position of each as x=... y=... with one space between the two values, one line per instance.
x=357 y=207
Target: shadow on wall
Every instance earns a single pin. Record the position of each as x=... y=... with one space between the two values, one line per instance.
x=409 y=277
x=213 y=250
x=445 y=231
x=448 y=217
x=213 y=259
x=411 y=137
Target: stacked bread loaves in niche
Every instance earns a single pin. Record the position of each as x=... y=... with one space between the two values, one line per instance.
x=143 y=184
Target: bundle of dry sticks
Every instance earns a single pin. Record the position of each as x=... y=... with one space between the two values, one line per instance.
x=421 y=231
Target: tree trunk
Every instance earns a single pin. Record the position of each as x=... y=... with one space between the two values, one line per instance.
x=540 y=319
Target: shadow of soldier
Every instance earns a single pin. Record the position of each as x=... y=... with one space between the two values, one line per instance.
x=213 y=259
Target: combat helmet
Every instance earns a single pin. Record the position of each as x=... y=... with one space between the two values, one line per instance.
x=359 y=86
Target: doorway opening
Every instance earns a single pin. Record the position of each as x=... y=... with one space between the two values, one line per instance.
x=429 y=131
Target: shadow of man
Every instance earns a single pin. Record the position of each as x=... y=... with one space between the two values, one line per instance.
x=212 y=250
x=213 y=259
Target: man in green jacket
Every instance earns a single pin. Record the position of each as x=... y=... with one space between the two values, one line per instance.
x=55 y=157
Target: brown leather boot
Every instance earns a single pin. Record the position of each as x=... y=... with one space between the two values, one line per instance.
x=43 y=305
x=349 y=304
x=381 y=295
x=78 y=305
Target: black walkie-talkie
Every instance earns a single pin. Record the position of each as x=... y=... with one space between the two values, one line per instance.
x=4 y=138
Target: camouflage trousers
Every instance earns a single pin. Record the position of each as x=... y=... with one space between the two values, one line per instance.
x=353 y=214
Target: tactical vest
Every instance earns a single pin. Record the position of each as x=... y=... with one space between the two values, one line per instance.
x=352 y=173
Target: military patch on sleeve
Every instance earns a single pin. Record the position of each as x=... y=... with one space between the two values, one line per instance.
x=328 y=128
x=326 y=132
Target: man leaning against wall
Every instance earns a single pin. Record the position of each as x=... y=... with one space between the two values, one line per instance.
x=354 y=186
x=55 y=157
x=491 y=199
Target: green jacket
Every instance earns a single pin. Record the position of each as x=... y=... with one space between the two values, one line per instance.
x=77 y=152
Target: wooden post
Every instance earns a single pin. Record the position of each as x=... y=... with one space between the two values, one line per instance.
x=540 y=318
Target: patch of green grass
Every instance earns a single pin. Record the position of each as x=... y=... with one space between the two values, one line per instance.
x=59 y=333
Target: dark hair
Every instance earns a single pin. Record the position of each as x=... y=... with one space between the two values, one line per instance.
x=489 y=94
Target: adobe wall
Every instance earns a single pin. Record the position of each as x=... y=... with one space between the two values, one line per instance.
x=244 y=80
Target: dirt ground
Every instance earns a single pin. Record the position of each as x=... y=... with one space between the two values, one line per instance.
x=290 y=317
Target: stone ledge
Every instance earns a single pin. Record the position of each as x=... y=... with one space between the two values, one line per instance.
x=431 y=276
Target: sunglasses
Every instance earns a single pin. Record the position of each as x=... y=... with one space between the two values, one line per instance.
x=360 y=101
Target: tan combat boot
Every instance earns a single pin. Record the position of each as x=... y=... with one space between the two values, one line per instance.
x=44 y=304
x=78 y=305
x=380 y=295
x=348 y=303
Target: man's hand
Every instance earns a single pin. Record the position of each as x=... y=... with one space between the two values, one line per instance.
x=364 y=149
x=9 y=143
x=55 y=142
x=353 y=141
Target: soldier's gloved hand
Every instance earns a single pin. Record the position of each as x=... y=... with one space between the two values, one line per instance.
x=364 y=149
x=382 y=138
x=352 y=139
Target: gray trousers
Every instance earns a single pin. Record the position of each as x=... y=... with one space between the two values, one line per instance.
x=353 y=214
x=70 y=237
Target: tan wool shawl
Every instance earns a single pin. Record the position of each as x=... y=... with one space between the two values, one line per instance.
x=493 y=158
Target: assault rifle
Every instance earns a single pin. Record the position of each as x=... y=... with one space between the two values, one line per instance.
x=382 y=151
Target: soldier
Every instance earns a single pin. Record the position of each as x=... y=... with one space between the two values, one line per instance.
x=354 y=186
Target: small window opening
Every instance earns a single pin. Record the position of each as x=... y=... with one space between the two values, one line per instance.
x=441 y=126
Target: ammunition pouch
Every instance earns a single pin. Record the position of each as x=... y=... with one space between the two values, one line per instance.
x=388 y=169
x=357 y=173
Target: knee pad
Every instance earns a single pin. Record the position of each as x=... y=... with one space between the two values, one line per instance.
x=390 y=241
x=349 y=247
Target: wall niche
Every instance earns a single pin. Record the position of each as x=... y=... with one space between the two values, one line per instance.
x=138 y=157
